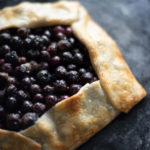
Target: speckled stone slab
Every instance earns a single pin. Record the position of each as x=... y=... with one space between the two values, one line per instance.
x=128 y=22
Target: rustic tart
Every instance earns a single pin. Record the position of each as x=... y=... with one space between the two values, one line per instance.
x=62 y=78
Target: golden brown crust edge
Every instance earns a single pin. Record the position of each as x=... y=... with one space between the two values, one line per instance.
x=65 y=127
x=116 y=78
x=12 y=140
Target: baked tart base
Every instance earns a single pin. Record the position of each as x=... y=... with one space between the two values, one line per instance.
x=74 y=120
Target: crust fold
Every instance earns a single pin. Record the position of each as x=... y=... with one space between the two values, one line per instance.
x=73 y=121
x=117 y=80
x=15 y=141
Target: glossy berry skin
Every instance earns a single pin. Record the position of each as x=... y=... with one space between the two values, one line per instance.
x=11 y=89
x=48 y=90
x=39 y=108
x=5 y=38
x=64 y=97
x=11 y=103
x=38 y=97
x=60 y=86
x=22 y=71
x=52 y=49
x=27 y=106
x=12 y=58
x=23 y=32
x=71 y=67
x=73 y=76
x=45 y=56
x=7 y=67
x=13 y=121
x=4 y=50
x=28 y=119
x=67 y=57
x=74 y=88
x=26 y=82
x=51 y=100
x=55 y=61
x=86 y=77
x=63 y=45
x=35 y=88
x=43 y=77
x=61 y=72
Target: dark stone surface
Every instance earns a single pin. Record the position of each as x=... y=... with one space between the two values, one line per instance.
x=128 y=22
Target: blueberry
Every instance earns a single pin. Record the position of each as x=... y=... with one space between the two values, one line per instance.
x=52 y=49
x=51 y=100
x=22 y=60
x=45 y=40
x=86 y=77
x=73 y=76
x=4 y=50
x=56 y=60
x=43 y=77
x=63 y=45
x=27 y=106
x=28 y=119
x=38 y=97
x=5 y=38
x=12 y=58
x=64 y=97
x=68 y=31
x=82 y=70
x=78 y=58
x=12 y=80
x=34 y=65
x=16 y=42
x=32 y=79
x=60 y=36
x=11 y=89
x=74 y=88
x=33 y=54
x=11 y=103
x=67 y=57
x=45 y=55
x=28 y=42
x=47 y=33
x=72 y=41
x=22 y=95
x=71 y=67
x=60 y=86
x=43 y=66
x=22 y=71
x=23 y=32
x=7 y=67
x=35 y=88
x=26 y=82
x=61 y=72
x=48 y=90
x=39 y=108
x=2 y=61
x=13 y=121
x=59 y=29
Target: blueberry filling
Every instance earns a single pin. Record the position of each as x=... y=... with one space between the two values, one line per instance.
x=39 y=68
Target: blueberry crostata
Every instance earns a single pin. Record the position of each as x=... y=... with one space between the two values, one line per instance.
x=62 y=78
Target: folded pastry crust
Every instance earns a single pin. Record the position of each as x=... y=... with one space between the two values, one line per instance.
x=73 y=121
